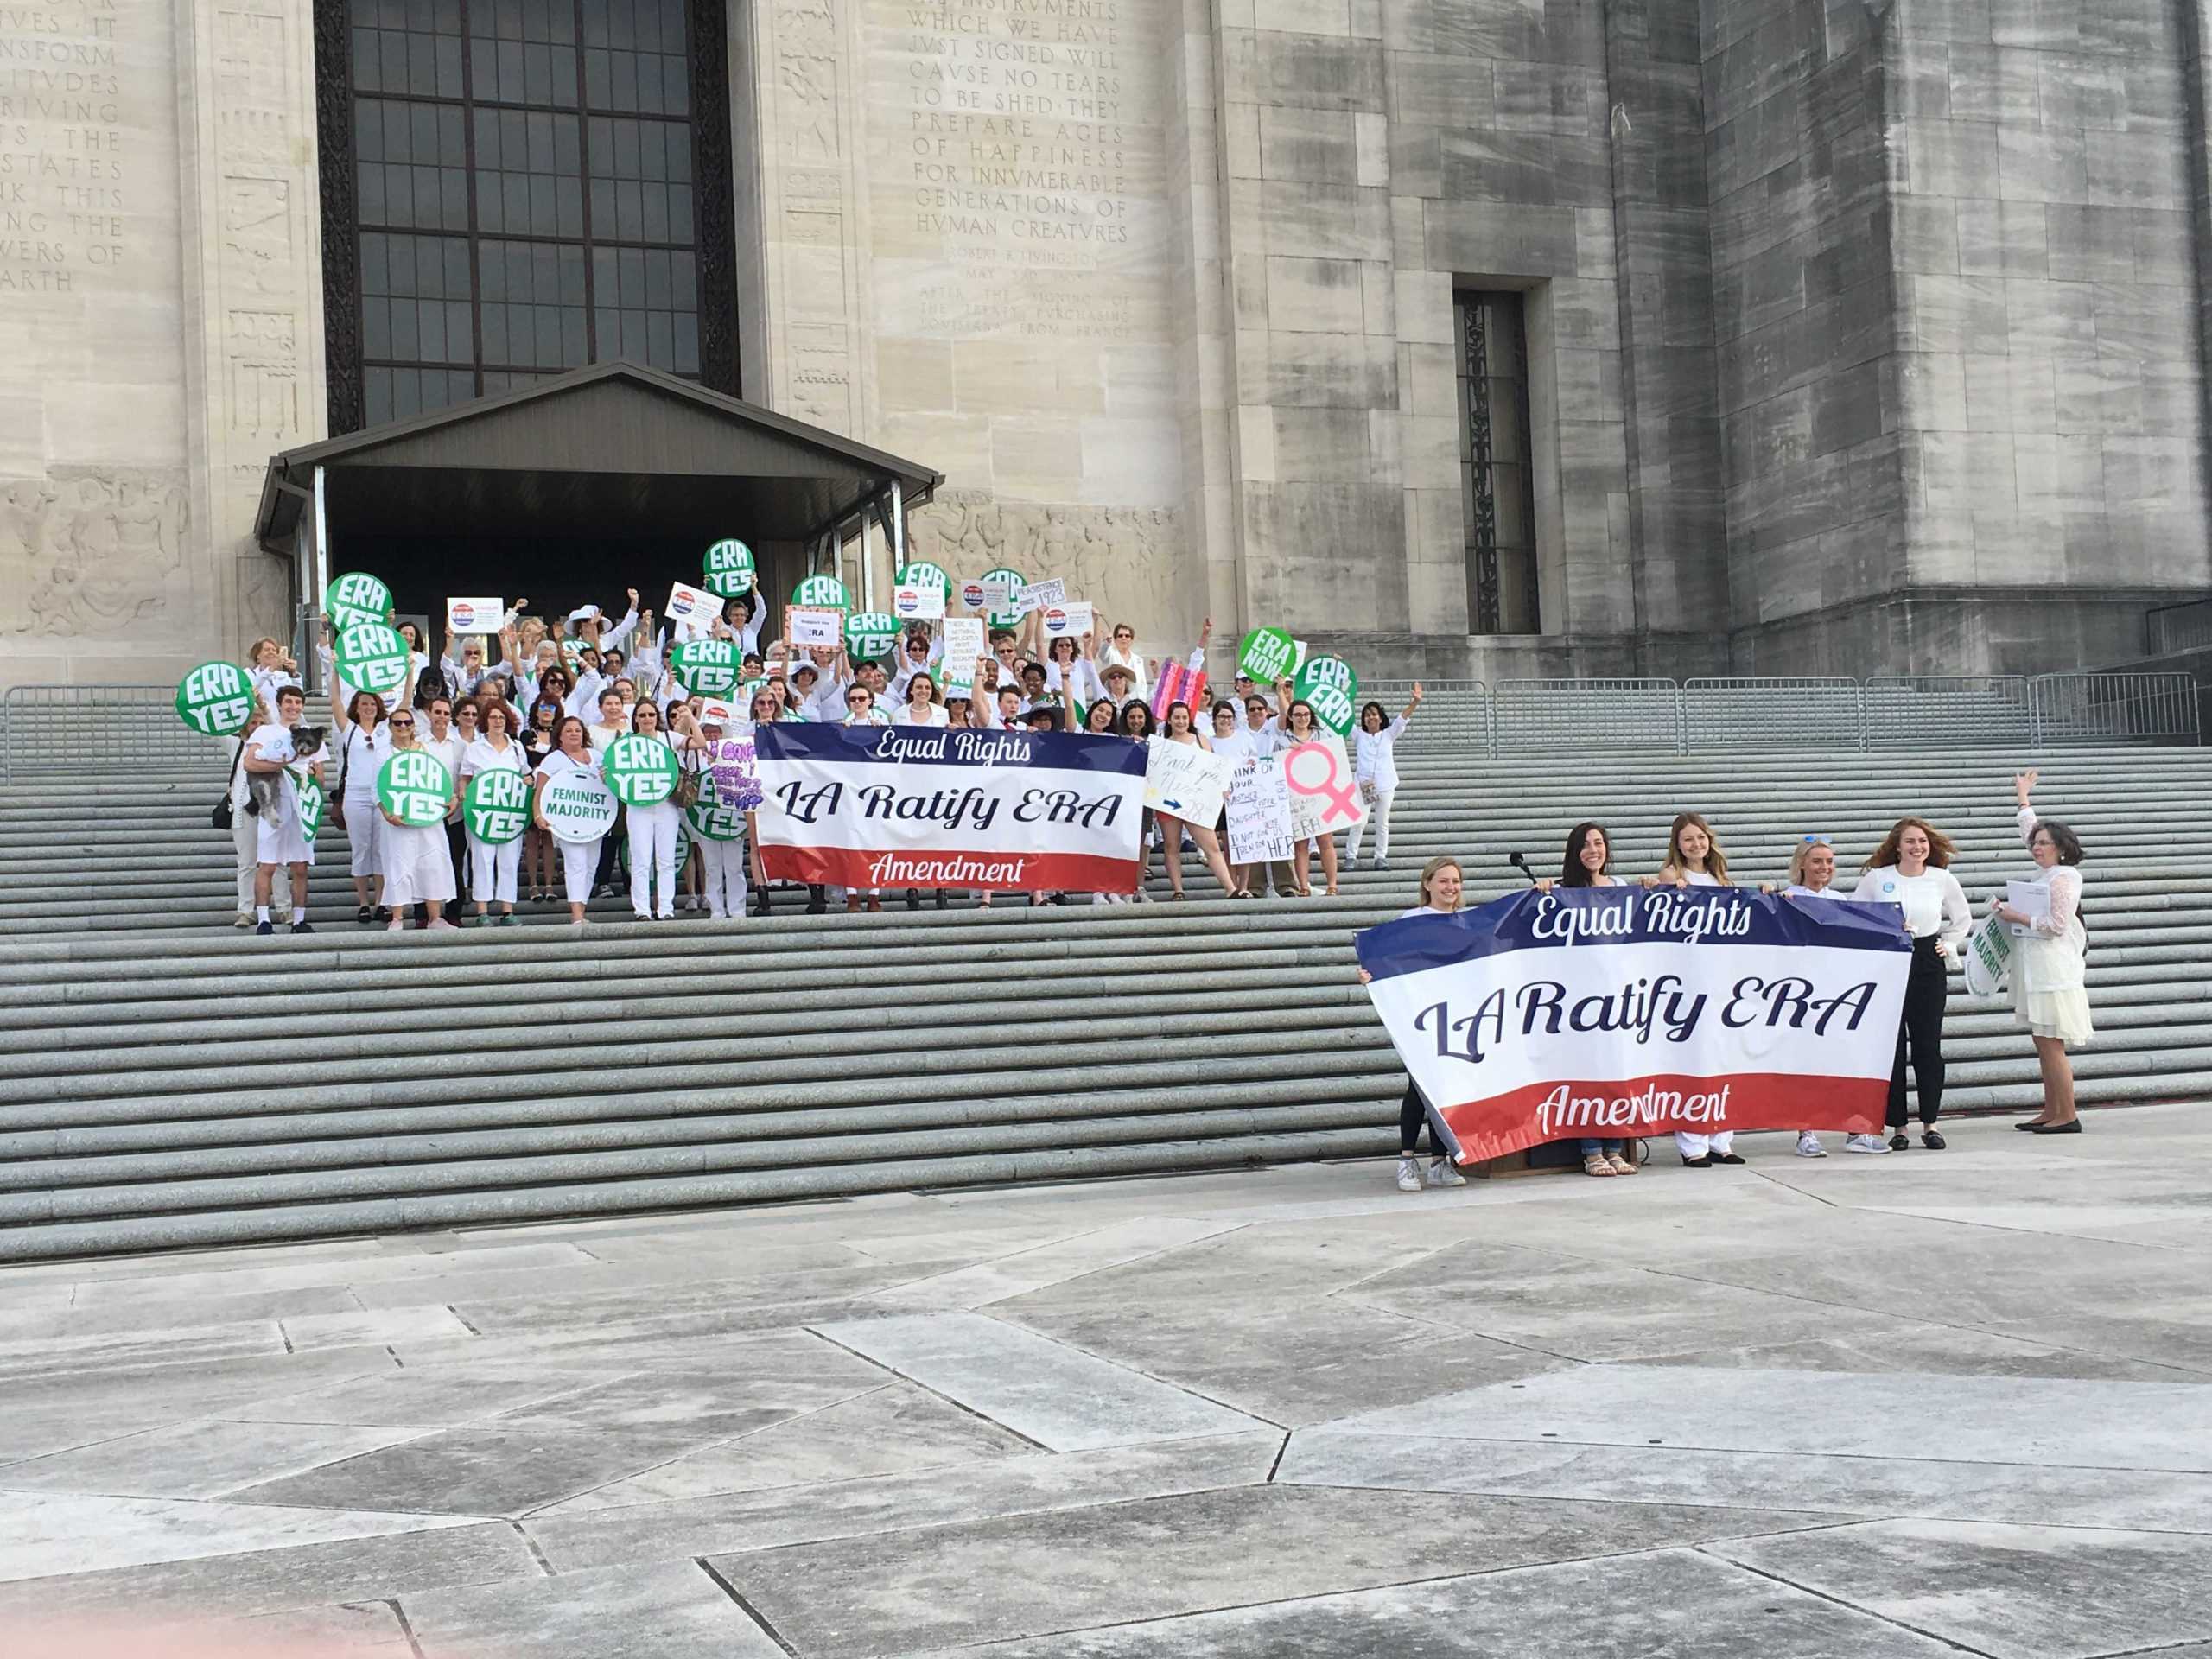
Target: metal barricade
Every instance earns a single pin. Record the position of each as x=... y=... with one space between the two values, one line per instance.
x=56 y=728
x=1455 y=714
x=1949 y=711
x=1750 y=712
x=1533 y=717
x=2119 y=708
x=2179 y=627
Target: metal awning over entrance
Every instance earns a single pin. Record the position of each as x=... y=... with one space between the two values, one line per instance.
x=615 y=469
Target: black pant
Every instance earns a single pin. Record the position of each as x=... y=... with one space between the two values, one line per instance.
x=1921 y=1029
x=457 y=844
x=1413 y=1112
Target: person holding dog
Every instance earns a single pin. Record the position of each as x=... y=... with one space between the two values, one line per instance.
x=271 y=751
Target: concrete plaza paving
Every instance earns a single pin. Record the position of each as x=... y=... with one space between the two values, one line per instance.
x=1925 y=1404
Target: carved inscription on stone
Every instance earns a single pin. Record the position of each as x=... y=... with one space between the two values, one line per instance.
x=1016 y=167
x=66 y=176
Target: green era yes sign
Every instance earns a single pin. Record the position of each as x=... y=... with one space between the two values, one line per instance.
x=640 y=770
x=729 y=570
x=216 y=700
x=497 y=807
x=414 y=788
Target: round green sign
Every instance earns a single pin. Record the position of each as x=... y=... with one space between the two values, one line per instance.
x=216 y=700
x=729 y=570
x=709 y=819
x=373 y=657
x=356 y=596
x=311 y=801
x=922 y=574
x=1266 y=655
x=415 y=787
x=708 y=666
x=823 y=590
x=640 y=770
x=871 y=634
x=1010 y=617
x=497 y=805
x=1329 y=685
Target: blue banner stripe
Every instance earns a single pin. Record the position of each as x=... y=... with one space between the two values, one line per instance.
x=1581 y=916
x=925 y=746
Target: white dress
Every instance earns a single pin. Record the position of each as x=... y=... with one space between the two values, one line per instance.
x=2049 y=996
x=417 y=863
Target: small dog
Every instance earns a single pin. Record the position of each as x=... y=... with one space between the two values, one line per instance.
x=263 y=787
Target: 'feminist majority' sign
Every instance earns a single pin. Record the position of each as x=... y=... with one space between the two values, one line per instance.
x=904 y=806
x=1618 y=1011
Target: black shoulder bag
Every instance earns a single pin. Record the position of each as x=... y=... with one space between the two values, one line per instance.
x=222 y=817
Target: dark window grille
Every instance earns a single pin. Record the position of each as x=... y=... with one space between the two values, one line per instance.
x=1497 y=482
x=515 y=187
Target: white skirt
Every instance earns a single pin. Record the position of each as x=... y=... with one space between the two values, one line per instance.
x=417 y=864
x=2048 y=998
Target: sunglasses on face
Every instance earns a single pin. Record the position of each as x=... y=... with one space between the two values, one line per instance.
x=407 y=723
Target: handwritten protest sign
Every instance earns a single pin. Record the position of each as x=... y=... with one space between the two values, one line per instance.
x=1185 y=779
x=963 y=643
x=1258 y=803
x=1038 y=595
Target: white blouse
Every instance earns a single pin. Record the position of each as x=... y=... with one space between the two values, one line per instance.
x=1935 y=903
x=2064 y=881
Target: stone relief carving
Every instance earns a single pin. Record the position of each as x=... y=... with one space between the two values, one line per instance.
x=1123 y=559
x=100 y=550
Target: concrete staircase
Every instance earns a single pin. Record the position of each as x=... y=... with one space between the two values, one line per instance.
x=167 y=1081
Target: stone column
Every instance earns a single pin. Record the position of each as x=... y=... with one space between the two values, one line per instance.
x=252 y=285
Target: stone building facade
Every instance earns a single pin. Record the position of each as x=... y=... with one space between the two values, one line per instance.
x=1821 y=335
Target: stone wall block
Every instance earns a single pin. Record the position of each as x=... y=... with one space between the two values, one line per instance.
x=2042 y=164
x=1494 y=164
x=2013 y=394
x=1430 y=89
x=1950 y=158
x=1492 y=240
x=1314 y=296
x=2002 y=239
x=2057 y=474
x=1956 y=313
x=1467 y=29
x=1315 y=146
x=1328 y=221
x=2086 y=244
x=1993 y=82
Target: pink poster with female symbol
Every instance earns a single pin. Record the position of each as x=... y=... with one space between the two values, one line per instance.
x=1324 y=792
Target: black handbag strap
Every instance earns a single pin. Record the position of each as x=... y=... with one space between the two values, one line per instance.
x=237 y=760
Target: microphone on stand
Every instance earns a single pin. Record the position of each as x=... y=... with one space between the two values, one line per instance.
x=1521 y=864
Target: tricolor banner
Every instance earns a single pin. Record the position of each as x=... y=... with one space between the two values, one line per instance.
x=1606 y=1012
x=907 y=806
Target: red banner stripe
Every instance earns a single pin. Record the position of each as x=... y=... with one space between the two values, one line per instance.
x=956 y=867
x=1747 y=1100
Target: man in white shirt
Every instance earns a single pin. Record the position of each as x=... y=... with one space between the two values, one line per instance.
x=270 y=751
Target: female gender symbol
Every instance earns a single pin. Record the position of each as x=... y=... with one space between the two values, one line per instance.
x=1341 y=801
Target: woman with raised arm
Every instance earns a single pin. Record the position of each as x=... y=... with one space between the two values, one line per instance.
x=650 y=831
x=1442 y=888
x=1298 y=727
x=2049 y=995
x=1912 y=869
x=358 y=724
x=1376 y=765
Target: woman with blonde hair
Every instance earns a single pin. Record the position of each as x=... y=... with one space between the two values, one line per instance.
x=417 y=863
x=1911 y=869
x=2048 y=959
x=1443 y=885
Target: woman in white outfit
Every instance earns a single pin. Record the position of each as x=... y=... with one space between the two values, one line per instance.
x=246 y=830
x=722 y=861
x=1694 y=860
x=357 y=724
x=1374 y=763
x=2048 y=997
x=1812 y=876
x=417 y=864
x=1442 y=888
x=1237 y=743
x=579 y=858
x=1911 y=869
x=492 y=866
x=652 y=835
x=1298 y=727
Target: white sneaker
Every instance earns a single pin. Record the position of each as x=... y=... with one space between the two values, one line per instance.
x=1809 y=1145
x=1409 y=1175
x=1441 y=1173
x=1867 y=1143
